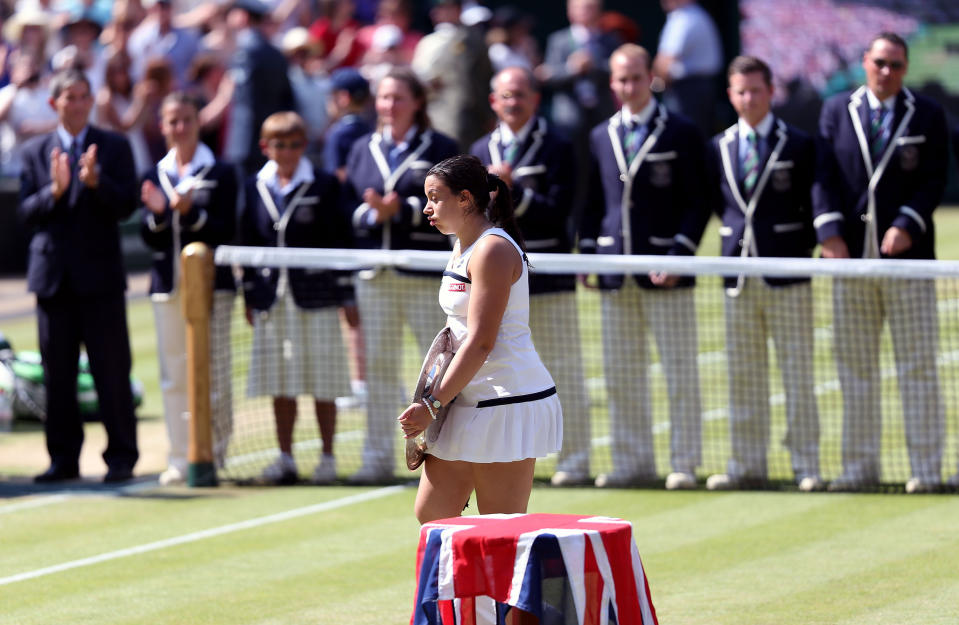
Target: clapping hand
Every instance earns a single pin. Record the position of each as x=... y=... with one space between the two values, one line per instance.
x=385 y=205
x=89 y=171
x=152 y=198
x=155 y=200
x=59 y=172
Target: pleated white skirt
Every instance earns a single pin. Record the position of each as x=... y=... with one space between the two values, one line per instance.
x=501 y=433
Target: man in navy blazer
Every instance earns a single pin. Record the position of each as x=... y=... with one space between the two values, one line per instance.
x=647 y=196
x=764 y=175
x=890 y=146
x=538 y=164
x=77 y=183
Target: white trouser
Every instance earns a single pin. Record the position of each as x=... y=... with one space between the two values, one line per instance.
x=786 y=314
x=171 y=352
x=554 y=324
x=859 y=307
x=386 y=301
x=671 y=316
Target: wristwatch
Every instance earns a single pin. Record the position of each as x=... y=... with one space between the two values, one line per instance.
x=432 y=405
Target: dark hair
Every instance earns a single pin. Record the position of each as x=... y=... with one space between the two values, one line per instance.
x=406 y=76
x=181 y=98
x=66 y=78
x=467 y=173
x=892 y=38
x=748 y=65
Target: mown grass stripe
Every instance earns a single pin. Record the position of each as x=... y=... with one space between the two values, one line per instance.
x=203 y=534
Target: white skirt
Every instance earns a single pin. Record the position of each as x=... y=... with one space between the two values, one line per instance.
x=298 y=351
x=501 y=433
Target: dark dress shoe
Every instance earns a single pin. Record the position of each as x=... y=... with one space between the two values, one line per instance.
x=57 y=474
x=118 y=474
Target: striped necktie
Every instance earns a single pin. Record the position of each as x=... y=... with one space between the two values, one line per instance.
x=878 y=120
x=74 y=154
x=750 y=163
x=511 y=151
x=635 y=134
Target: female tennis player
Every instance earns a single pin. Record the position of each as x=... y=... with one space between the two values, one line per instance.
x=506 y=411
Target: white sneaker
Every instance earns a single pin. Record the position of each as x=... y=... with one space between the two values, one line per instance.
x=282 y=471
x=680 y=480
x=810 y=484
x=915 y=486
x=173 y=476
x=368 y=475
x=325 y=472
x=570 y=478
x=623 y=480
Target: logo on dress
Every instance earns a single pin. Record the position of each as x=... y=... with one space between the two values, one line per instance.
x=457 y=287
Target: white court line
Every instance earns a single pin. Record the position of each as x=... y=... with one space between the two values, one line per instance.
x=36 y=502
x=203 y=534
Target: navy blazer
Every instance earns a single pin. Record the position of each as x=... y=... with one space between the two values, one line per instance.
x=777 y=220
x=367 y=167
x=309 y=216
x=211 y=220
x=75 y=241
x=902 y=189
x=543 y=177
x=339 y=139
x=655 y=205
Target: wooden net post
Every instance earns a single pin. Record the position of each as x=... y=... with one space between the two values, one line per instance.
x=196 y=262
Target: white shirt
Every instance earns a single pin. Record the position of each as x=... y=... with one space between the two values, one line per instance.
x=303 y=173
x=691 y=37
x=642 y=117
x=762 y=129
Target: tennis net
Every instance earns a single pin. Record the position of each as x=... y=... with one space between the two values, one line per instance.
x=765 y=369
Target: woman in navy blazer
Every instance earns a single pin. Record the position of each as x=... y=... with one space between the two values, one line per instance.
x=386 y=171
x=188 y=196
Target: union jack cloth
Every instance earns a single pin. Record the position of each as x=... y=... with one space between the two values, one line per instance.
x=463 y=564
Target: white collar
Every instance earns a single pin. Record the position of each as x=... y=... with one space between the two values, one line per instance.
x=387 y=134
x=507 y=135
x=66 y=139
x=874 y=101
x=202 y=157
x=581 y=34
x=763 y=128
x=303 y=173
x=640 y=117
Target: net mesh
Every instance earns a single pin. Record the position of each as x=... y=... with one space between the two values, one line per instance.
x=851 y=373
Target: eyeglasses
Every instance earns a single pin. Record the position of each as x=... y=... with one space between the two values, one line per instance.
x=892 y=65
x=287 y=145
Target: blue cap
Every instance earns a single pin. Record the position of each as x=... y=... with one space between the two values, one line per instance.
x=349 y=80
x=254 y=7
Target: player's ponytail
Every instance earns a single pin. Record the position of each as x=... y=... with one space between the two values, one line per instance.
x=500 y=210
x=490 y=193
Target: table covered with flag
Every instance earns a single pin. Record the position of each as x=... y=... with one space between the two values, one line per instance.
x=563 y=568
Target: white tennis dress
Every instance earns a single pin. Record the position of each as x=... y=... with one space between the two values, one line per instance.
x=509 y=410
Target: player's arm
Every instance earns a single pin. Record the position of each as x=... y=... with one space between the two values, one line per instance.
x=493 y=268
